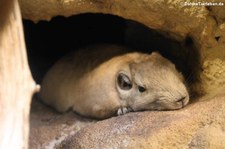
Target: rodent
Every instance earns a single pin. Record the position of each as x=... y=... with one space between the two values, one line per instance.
x=104 y=80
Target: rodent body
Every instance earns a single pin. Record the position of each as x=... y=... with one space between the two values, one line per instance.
x=104 y=80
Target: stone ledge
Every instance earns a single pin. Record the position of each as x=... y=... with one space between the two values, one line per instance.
x=199 y=125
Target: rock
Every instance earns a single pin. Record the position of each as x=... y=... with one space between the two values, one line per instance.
x=180 y=20
x=208 y=137
x=199 y=125
x=49 y=128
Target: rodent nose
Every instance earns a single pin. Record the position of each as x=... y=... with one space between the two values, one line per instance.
x=181 y=100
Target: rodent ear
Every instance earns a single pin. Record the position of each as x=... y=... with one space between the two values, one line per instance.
x=133 y=67
x=181 y=76
x=124 y=82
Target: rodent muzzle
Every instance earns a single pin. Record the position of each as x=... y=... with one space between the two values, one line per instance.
x=183 y=101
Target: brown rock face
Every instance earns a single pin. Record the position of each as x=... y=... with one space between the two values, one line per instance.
x=199 y=125
x=49 y=128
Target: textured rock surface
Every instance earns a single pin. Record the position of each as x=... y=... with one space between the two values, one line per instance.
x=199 y=125
x=174 y=16
x=49 y=128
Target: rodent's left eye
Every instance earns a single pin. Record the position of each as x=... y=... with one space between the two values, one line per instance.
x=141 y=89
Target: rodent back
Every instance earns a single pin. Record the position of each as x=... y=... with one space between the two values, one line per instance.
x=84 y=77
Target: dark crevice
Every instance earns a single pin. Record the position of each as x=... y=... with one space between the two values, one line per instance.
x=217 y=38
x=209 y=8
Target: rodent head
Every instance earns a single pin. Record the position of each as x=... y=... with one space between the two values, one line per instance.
x=153 y=83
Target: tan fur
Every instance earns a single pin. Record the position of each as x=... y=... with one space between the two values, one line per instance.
x=85 y=81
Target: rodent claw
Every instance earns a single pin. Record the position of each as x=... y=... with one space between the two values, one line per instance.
x=123 y=110
x=119 y=112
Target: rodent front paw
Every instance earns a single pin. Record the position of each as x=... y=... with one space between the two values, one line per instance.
x=123 y=110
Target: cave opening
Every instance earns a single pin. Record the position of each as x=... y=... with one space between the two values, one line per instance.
x=47 y=41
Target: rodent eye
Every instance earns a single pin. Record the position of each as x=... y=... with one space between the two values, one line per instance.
x=124 y=82
x=141 y=89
